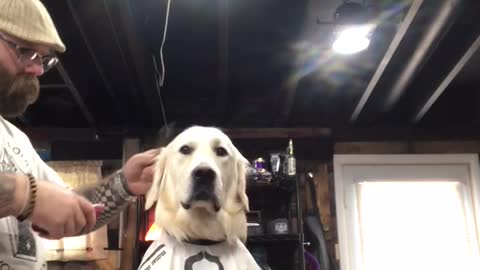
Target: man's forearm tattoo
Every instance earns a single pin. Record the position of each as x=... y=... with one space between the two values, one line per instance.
x=112 y=195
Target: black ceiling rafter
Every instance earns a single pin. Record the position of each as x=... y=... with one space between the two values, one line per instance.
x=123 y=55
x=53 y=86
x=91 y=51
x=24 y=120
x=346 y=134
x=285 y=100
x=436 y=18
x=222 y=99
x=444 y=19
x=476 y=109
x=397 y=39
x=76 y=95
x=141 y=66
x=428 y=103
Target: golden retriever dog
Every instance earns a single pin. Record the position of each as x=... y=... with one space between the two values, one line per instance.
x=200 y=192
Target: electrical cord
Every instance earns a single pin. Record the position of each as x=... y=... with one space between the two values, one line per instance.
x=160 y=76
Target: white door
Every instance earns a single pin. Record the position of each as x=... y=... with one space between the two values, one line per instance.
x=408 y=211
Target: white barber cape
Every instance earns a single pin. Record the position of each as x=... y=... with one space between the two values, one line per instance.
x=166 y=253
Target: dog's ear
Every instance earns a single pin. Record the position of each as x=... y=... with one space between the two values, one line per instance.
x=159 y=171
x=241 y=174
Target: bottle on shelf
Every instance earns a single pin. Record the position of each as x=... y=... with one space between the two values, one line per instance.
x=291 y=162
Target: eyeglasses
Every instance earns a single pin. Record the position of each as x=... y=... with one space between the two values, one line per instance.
x=28 y=56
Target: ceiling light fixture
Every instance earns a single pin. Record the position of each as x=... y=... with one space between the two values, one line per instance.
x=352 y=31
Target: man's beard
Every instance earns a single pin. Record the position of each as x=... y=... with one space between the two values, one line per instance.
x=17 y=92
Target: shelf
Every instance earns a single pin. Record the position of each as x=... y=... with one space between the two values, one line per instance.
x=259 y=239
x=287 y=184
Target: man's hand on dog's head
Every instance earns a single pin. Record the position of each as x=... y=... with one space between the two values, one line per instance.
x=139 y=171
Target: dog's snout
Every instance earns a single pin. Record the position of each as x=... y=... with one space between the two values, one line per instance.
x=204 y=175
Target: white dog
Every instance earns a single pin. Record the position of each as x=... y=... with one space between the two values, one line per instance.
x=199 y=186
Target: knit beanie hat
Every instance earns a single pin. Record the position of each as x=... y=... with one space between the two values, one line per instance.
x=29 y=20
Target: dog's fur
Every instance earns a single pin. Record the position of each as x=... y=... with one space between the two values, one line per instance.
x=221 y=219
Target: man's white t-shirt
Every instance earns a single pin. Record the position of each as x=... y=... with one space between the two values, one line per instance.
x=20 y=247
x=166 y=253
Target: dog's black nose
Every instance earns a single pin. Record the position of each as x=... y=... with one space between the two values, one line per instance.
x=203 y=176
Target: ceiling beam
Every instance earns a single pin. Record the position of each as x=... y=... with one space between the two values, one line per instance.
x=405 y=134
x=90 y=50
x=397 y=39
x=24 y=120
x=53 y=86
x=442 y=22
x=446 y=82
x=45 y=136
x=286 y=99
x=140 y=64
x=75 y=94
x=266 y=133
x=87 y=134
x=338 y=135
x=278 y=133
x=224 y=110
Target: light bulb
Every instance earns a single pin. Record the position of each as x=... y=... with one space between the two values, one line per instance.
x=352 y=39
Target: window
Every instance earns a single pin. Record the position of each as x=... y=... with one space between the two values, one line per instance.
x=408 y=211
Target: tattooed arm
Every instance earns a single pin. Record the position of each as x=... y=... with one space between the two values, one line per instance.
x=112 y=193
x=13 y=194
x=134 y=179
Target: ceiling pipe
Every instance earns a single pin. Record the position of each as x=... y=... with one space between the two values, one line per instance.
x=407 y=21
x=435 y=32
x=448 y=79
x=223 y=61
x=53 y=86
x=91 y=51
x=76 y=95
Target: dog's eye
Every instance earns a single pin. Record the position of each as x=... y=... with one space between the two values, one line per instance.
x=186 y=150
x=221 y=152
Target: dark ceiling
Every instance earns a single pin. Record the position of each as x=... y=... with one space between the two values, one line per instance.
x=266 y=63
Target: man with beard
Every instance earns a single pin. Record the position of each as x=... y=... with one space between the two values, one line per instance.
x=34 y=201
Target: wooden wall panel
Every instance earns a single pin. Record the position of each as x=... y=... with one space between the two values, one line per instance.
x=129 y=233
